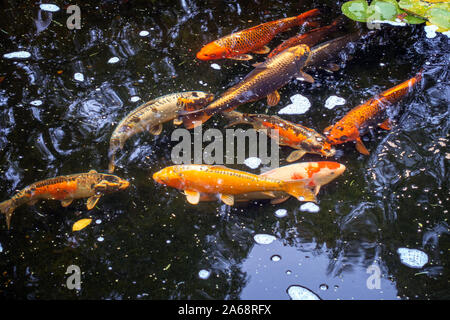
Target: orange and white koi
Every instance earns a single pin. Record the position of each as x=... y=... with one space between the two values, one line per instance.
x=305 y=140
x=196 y=179
x=356 y=122
x=91 y=185
x=236 y=45
x=315 y=175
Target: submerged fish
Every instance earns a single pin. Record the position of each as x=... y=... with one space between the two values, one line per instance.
x=91 y=185
x=236 y=45
x=196 y=179
x=373 y=112
x=151 y=115
x=314 y=174
x=296 y=136
x=263 y=81
x=310 y=38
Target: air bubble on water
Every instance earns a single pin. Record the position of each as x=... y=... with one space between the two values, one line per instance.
x=280 y=213
x=134 y=98
x=168 y=241
x=17 y=55
x=98 y=221
x=288 y=272
x=144 y=33
x=215 y=66
x=204 y=274
x=79 y=76
x=100 y=239
x=275 y=258
x=323 y=287
x=252 y=162
x=49 y=7
x=1 y=248
x=36 y=103
x=412 y=257
x=297 y=292
x=113 y=60
x=300 y=104
x=334 y=101
x=310 y=207
x=430 y=31
x=264 y=238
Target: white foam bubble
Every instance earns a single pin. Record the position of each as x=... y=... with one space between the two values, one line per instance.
x=296 y=292
x=49 y=7
x=17 y=55
x=334 y=101
x=144 y=33
x=100 y=239
x=392 y=23
x=430 y=31
x=113 y=60
x=300 y=104
x=134 y=98
x=280 y=213
x=310 y=207
x=264 y=238
x=252 y=162
x=79 y=76
x=412 y=257
x=215 y=66
x=204 y=274
x=36 y=103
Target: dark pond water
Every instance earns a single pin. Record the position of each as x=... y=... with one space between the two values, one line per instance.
x=147 y=242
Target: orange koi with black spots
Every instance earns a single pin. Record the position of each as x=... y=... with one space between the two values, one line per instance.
x=236 y=45
x=356 y=121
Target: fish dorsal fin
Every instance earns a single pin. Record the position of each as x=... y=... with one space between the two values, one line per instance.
x=361 y=147
x=66 y=202
x=156 y=129
x=92 y=201
x=92 y=171
x=262 y=50
x=279 y=200
x=295 y=155
x=242 y=57
x=193 y=197
x=228 y=199
x=305 y=77
x=273 y=98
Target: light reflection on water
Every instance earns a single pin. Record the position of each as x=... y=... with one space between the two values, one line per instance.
x=154 y=243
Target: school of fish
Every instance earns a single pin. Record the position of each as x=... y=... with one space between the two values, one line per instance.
x=205 y=183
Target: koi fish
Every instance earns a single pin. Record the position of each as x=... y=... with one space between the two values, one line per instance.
x=296 y=136
x=315 y=175
x=196 y=179
x=236 y=45
x=356 y=122
x=263 y=81
x=91 y=185
x=151 y=115
x=310 y=38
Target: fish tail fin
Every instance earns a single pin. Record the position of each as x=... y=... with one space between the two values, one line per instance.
x=299 y=190
x=194 y=118
x=234 y=118
x=306 y=15
x=7 y=208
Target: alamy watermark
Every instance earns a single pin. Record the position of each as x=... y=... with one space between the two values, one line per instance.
x=374 y=280
x=220 y=147
x=74 y=280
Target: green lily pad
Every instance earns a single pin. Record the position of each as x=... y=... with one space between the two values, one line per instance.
x=356 y=10
x=416 y=7
x=382 y=10
x=440 y=17
x=413 y=19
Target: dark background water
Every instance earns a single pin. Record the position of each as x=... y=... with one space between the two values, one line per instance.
x=154 y=242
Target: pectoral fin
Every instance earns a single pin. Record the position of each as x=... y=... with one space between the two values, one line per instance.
x=316 y=190
x=193 y=197
x=228 y=199
x=361 y=148
x=305 y=77
x=386 y=125
x=66 y=202
x=156 y=130
x=273 y=98
x=242 y=57
x=91 y=202
x=262 y=50
x=295 y=155
x=269 y=194
x=279 y=200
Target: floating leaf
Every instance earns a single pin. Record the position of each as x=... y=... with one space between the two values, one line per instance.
x=413 y=19
x=439 y=16
x=81 y=224
x=416 y=7
x=356 y=10
x=382 y=10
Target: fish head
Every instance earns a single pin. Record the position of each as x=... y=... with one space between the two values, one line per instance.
x=317 y=143
x=340 y=133
x=195 y=101
x=301 y=53
x=326 y=172
x=110 y=183
x=170 y=176
x=212 y=51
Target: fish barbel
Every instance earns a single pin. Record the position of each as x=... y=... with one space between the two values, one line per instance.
x=196 y=179
x=151 y=115
x=91 y=185
x=236 y=45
